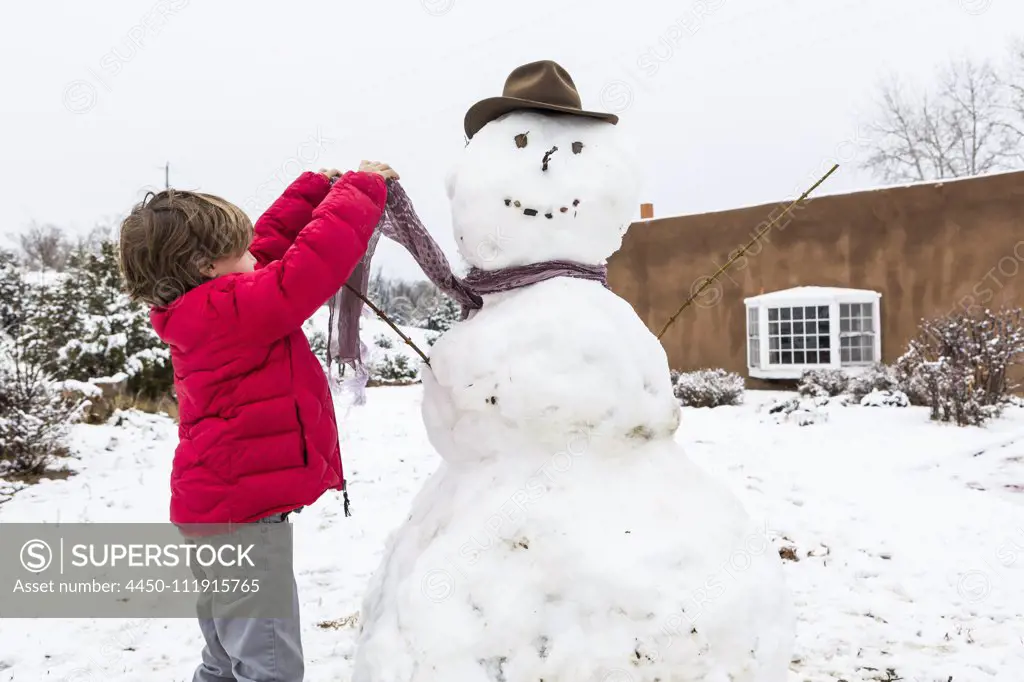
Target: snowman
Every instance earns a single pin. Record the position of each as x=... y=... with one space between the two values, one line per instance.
x=566 y=537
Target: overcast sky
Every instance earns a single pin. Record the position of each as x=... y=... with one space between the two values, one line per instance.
x=731 y=102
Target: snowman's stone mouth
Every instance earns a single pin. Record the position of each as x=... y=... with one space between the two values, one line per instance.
x=532 y=211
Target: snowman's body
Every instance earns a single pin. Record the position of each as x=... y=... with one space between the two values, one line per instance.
x=566 y=538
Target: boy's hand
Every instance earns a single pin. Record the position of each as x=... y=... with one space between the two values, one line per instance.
x=331 y=174
x=381 y=169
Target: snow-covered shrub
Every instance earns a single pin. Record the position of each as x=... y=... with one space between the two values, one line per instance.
x=962 y=363
x=84 y=327
x=317 y=342
x=816 y=383
x=34 y=415
x=391 y=369
x=382 y=341
x=444 y=313
x=885 y=398
x=708 y=388
x=801 y=411
x=878 y=377
x=12 y=292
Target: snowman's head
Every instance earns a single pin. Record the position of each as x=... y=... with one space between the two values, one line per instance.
x=532 y=187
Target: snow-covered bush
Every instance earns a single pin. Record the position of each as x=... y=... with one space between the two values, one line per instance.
x=801 y=411
x=382 y=341
x=392 y=369
x=708 y=388
x=878 y=377
x=816 y=383
x=885 y=398
x=34 y=415
x=444 y=313
x=317 y=341
x=12 y=292
x=85 y=327
x=962 y=364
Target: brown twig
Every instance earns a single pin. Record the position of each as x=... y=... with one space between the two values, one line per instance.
x=757 y=237
x=381 y=315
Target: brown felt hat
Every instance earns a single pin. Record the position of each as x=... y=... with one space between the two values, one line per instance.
x=543 y=86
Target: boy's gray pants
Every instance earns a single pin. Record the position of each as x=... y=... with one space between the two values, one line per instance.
x=253 y=649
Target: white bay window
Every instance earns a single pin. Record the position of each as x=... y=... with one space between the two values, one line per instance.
x=794 y=330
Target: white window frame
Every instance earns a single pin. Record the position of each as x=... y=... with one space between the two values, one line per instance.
x=753 y=336
x=851 y=328
x=817 y=297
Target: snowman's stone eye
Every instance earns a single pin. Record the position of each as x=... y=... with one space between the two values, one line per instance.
x=577 y=147
x=521 y=140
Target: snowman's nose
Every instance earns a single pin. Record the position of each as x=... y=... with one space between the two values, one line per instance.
x=547 y=157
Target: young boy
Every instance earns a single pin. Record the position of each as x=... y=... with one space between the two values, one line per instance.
x=258 y=437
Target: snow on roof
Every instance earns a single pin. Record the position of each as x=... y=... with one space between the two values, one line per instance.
x=804 y=294
x=822 y=195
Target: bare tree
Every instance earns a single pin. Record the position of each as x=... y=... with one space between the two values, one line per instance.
x=964 y=128
x=44 y=246
x=1015 y=89
x=93 y=240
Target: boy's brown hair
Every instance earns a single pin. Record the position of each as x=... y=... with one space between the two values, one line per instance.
x=171 y=237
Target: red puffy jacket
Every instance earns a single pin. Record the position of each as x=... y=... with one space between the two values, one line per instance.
x=258 y=434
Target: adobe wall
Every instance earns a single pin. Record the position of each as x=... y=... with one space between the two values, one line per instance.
x=927 y=248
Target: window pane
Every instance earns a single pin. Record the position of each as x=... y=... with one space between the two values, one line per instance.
x=844 y=355
x=844 y=310
x=824 y=357
x=809 y=312
x=798 y=342
x=812 y=341
x=787 y=328
x=845 y=341
x=784 y=312
x=787 y=358
x=844 y=325
x=867 y=323
x=822 y=312
x=868 y=354
x=786 y=341
x=798 y=313
x=855 y=324
x=812 y=357
x=855 y=355
x=773 y=328
x=773 y=314
x=798 y=327
x=798 y=357
x=773 y=358
x=823 y=326
x=773 y=343
x=824 y=342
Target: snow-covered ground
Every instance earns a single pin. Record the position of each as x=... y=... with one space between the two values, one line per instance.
x=909 y=538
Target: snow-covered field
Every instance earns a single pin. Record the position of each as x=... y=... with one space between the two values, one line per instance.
x=909 y=538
